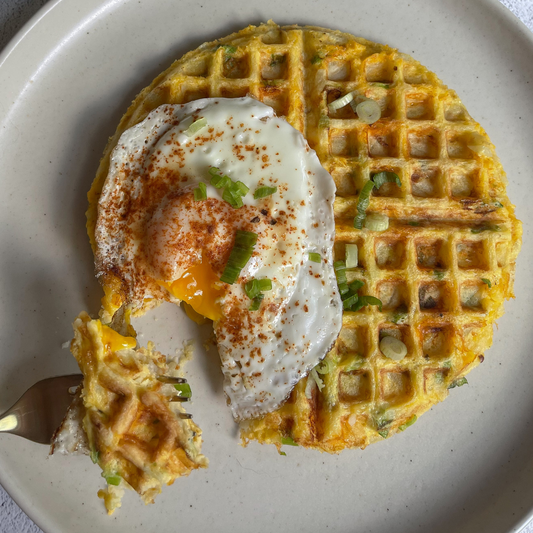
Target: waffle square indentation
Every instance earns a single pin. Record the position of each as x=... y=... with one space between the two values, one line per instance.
x=431 y=254
x=423 y=143
x=235 y=67
x=389 y=253
x=355 y=386
x=395 y=386
x=471 y=255
x=274 y=66
x=339 y=70
x=419 y=106
x=393 y=294
x=343 y=143
x=437 y=341
x=426 y=182
x=433 y=296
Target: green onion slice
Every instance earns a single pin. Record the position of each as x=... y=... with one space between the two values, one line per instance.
x=352 y=254
x=316 y=377
x=368 y=300
x=263 y=192
x=439 y=274
x=362 y=204
x=486 y=282
x=315 y=257
x=325 y=366
x=228 y=48
x=240 y=255
x=350 y=301
x=386 y=177
x=393 y=348
x=384 y=433
x=256 y=286
x=342 y=101
x=233 y=199
x=256 y=302
x=356 y=285
x=486 y=228
x=288 y=441
x=458 y=383
x=368 y=111
x=409 y=422
x=184 y=390
x=95 y=456
x=112 y=479
x=200 y=193
x=195 y=127
x=239 y=188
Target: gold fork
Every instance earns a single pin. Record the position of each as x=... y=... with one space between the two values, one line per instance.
x=41 y=409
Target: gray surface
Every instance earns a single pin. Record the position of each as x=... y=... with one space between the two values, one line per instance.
x=13 y=15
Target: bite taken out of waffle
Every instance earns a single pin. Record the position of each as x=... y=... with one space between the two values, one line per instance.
x=442 y=268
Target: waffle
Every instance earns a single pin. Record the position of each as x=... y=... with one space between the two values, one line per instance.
x=134 y=433
x=443 y=267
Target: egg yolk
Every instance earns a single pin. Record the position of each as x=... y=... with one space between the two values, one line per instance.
x=199 y=287
x=115 y=341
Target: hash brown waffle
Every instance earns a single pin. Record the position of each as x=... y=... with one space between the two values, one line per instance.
x=133 y=431
x=442 y=269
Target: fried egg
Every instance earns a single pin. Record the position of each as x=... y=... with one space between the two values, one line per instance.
x=163 y=243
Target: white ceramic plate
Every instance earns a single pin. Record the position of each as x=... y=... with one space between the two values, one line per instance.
x=66 y=79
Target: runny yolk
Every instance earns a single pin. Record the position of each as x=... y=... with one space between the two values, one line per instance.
x=200 y=287
x=115 y=341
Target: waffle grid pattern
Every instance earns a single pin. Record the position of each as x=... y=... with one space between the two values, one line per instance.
x=134 y=430
x=452 y=225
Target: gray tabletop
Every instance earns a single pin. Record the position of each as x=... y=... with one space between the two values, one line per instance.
x=13 y=15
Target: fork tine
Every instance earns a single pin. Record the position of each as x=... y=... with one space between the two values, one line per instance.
x=179 y=399
x=168 y=379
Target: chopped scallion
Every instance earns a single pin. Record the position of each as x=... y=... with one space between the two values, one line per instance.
x=384 y=433
x=386 y=177
x=368 y=300
x=409 y=422
x=368 y=111
x=393 y=348
x=486 y=282
x=263 y=192
x=239 y=188
x=316 y=377
x=356 y=285
x=352 y=253
x=184 y=390
x=439 y=274
x=232 y=198
x=240 y=255
x=195 y=127
x=342 y=101
x=485 y=228
x=315 y=257
x=228 y=48
x=255 y=286
x=288 y=441
x=458 y=383
x=256 y=302
x=112 y=479
x=95 y=456
x=200 y=193
x=325 y=366
x=350 y=301
x=362 y=204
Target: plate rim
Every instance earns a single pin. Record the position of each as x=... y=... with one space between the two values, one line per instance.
x=10 y=487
